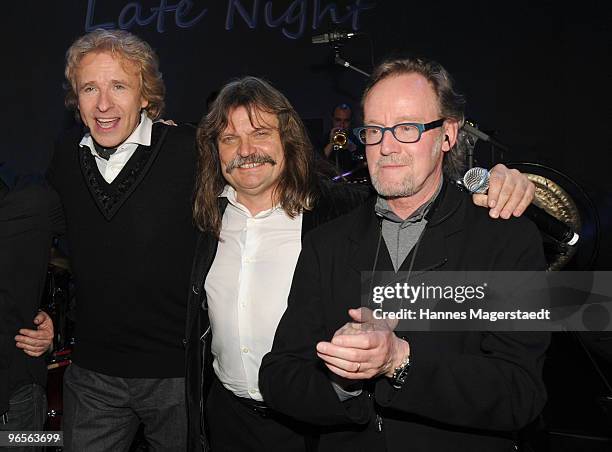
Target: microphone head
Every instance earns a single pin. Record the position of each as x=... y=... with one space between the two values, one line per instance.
x=476 y=180
x=334 y=36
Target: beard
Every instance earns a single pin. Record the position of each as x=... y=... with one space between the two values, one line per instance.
x=407 y=186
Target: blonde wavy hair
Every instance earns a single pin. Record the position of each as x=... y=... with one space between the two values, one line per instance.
x=123 y=44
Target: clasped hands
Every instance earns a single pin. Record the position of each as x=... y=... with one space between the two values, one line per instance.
x=364 y=348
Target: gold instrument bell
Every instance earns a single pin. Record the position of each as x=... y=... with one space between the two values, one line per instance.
x=340 y=139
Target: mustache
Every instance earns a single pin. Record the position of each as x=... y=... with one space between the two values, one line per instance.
x=394 y=159
x=253 y=158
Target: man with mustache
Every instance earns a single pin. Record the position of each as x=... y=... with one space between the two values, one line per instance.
x=257 y=196
x=368 y=386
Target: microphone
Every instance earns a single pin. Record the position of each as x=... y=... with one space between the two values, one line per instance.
x=333 y=36
x=476 y=180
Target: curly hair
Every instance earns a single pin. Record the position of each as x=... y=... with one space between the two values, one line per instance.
x=125 y=45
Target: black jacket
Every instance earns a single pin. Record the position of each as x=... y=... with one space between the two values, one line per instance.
x=30 y=215
x=332 y=201
x=466 y=390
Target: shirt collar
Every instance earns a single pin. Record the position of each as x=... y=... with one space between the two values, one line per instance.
x=141 y=135
x=382 y=209
x=229 y=192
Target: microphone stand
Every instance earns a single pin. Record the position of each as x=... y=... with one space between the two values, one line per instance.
x=342 y=62
x=479 y=134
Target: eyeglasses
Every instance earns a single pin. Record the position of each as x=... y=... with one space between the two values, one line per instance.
x=406 y=132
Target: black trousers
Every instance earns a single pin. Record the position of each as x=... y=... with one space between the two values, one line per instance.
x=102 y=413
x=235 y=427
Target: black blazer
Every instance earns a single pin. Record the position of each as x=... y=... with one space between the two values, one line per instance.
x=331 y=202
x=466 y=390
x=30 y=216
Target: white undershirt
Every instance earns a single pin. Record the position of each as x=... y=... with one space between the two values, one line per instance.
x=109 y=169
x=247 y=289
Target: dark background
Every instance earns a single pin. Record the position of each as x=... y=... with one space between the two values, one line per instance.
x=536 y=74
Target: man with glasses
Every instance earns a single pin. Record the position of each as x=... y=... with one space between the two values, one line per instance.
x=257 y=196
x=330 y=360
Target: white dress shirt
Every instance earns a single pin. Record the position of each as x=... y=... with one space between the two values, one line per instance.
x=109 y=169
x=247 y=289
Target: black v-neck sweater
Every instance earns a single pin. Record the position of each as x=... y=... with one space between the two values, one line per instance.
x=131 y=245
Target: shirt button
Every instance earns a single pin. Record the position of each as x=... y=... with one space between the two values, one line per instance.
x=245 y=350
x=195 y=289
x=248 y=260
x=252 y=391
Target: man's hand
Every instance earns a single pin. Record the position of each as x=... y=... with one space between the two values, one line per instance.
x=510 y=192
x=364 y=348
x=36 y=342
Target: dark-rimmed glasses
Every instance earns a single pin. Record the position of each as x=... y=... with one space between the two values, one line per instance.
x=406 y=132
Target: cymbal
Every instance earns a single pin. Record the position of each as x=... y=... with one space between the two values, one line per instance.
x=557 y=202
x=563 y=198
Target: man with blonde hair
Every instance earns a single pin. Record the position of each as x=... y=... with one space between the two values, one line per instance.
x=126 y=183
